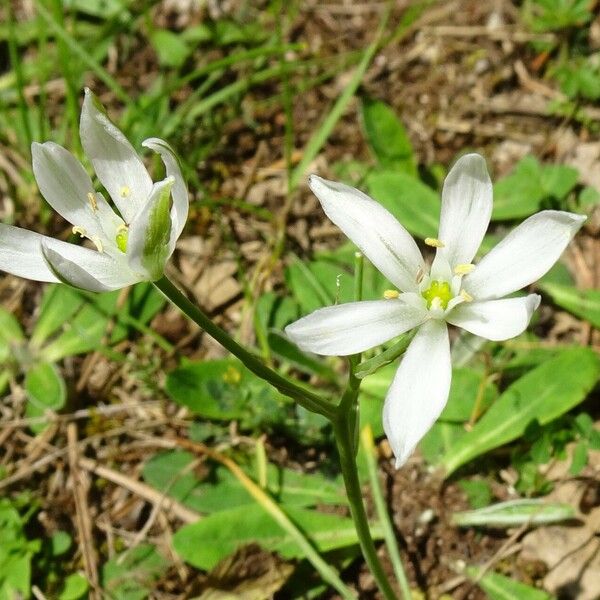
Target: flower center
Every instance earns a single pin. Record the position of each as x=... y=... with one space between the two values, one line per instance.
x=121 y=238
x=438 y=294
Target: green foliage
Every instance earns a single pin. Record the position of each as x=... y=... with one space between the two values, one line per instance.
x=582 y=303
x=554 y=15
x=16 y=552
x=500 y=587
x=231 y=528
x=131 y=575
x=387 y=137
x=172 y=473
x=46 y=391
x=542 y=395
x=522 y=192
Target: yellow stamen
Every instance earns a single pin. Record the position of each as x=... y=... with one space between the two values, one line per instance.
x=125 y=191
x=93 y=202
x=79 y=230
x=434 y=243
x=463 y=269
x=466 y=296
x=391 y=294
x=96 y=241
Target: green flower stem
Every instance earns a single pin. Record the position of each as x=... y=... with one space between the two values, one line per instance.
x=304 y=397
x=344 y=437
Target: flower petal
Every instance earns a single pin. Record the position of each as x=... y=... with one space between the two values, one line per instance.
x=419 y=390
x=179 y=210
x=350 y=328
x=119 y=168
x=68 y=189
x=88 y=269
x=22 y=254
x=150 y=232
x=466 y=209
x=373 y=229
x=495 y=319
x=524 y=255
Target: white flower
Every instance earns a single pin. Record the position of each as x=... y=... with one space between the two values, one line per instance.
x=452 y=291
x=131 y=246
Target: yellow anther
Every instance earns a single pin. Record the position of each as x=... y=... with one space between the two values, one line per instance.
x=463 y=269
x=391 y=294
x=466 y=296
x=434 y=243
x=125 y=191
x=96 y=241
x=93 y=202
x=79 y=230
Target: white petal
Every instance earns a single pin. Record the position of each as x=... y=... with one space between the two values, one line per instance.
x=150 y=232
x=419 y=390
x=524 y=255
x=373 y=229
x=350 y=328
x=21 y=253
x=67 y=187
x=179 y=211
x=495 y=319
x=88 y=270
x=466 y=209
x=119 y=168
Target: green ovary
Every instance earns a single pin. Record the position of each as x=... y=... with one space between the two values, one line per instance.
x=121 y=240
x=438 y=289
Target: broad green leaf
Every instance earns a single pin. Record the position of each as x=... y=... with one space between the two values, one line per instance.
x=170 y=473
x=205 y=543
x=224 y=390
x=59 y=304
x=514 y=513
x=541 y=395
x=387 y=137
x=170 y=48
x=582 y=303
x=415 y=205
x=520 y=193
x=500 y=587
x=132 y=577
x=74 y=587
x=46 y=391
x=10 y=334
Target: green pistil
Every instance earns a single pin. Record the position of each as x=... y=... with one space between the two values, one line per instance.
x=121 y=239
x=438 y=289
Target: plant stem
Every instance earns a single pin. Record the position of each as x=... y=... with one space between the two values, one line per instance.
x=303 y=396
x=344 y=438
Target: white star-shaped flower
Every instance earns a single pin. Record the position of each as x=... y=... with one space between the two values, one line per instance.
x=453 y=290
x=131 y=246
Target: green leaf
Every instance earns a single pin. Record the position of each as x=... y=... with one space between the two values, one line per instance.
x=10 y=334
x=541 y=395
x=499 y=587
x=46 y=391
x=229 y=529
x=520 y=193
x=131 y=576
x=582 y=303
x=225 y=390
x=59 y=304
x=387 y=137
x=171 y=49
x=169 y=472
x=580 y=458
x=74 y=587
x=415 y=205
x=514 y=513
